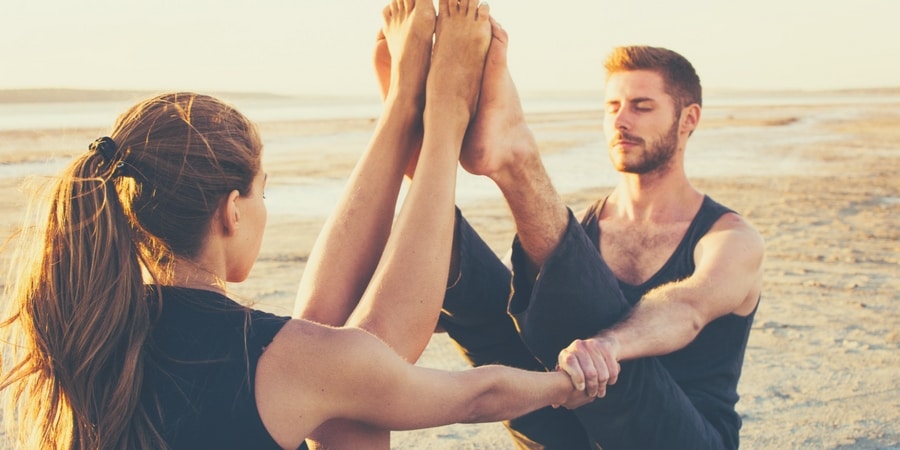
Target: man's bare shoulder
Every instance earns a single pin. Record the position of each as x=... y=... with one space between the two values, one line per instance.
x=737 y=224
x=731 y=241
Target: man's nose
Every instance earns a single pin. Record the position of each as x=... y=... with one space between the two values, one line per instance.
x=621 y=119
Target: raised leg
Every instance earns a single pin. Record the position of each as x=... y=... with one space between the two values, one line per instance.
x=350 y=246
x=413 y=271
x=500 y=145
x=403 y=297
x=352 y=240
x=383 y=64
x=475 y=316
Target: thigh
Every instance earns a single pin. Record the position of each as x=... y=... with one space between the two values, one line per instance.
x=547 y=429
x=646 y=409
x=575 y=296
x=474 y=311
x=475 y=316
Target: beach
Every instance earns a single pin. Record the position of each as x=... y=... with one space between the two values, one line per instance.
x=817 y=175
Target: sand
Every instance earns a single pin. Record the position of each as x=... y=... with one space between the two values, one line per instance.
x=823 y=188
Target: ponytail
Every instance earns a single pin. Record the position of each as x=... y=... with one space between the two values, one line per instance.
x=80 y=323
x=83 y=316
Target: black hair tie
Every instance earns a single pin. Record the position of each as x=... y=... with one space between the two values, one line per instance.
x=106 y=147
x=109 y=151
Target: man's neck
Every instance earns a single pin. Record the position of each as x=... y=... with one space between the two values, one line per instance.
x=655 y=197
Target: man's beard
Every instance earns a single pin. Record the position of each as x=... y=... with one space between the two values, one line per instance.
x=657 y=156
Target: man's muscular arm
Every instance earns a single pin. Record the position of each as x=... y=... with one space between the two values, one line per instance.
x=727 y=280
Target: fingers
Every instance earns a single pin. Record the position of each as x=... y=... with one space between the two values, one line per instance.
x=568 y=363
x=595 y=370
x=590 y=365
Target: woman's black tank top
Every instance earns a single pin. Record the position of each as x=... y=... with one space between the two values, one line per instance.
x=201 y=370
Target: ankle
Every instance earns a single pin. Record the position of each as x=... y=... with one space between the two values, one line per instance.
x=453 y=114
x=405 y=98
x=524 y=161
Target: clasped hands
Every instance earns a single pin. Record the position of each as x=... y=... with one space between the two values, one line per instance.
x=592 y=364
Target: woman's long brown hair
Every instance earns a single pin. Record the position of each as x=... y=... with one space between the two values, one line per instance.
x=78 y=329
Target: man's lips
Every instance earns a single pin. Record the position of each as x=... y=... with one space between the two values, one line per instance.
x=622 y=140
x=625 y=143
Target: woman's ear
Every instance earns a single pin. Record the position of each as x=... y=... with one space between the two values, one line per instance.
x=229 y=215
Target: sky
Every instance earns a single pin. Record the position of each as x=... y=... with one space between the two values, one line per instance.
x=324 y=46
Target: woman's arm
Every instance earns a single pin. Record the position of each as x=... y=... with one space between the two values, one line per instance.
x=350 y=374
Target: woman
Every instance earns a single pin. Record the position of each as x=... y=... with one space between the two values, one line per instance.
x=125 y=337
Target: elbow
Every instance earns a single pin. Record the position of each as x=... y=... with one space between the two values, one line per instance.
x=697 y=322
x=694 y=323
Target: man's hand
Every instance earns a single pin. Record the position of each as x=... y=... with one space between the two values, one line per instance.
x=592 y=364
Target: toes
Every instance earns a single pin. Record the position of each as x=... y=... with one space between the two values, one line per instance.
x=386 y=14
x=424 y=5
x=467 y=7
x=444 y=7
x=483 y=11
x=498 y=32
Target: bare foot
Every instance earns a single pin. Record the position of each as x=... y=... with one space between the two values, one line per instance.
x=382 y=64
x=403 y=48
x=462 y=38
x=408 y=31
x=498 y=135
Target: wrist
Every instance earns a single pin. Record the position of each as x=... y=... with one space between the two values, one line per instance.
x=564 y=388
x=612 y=341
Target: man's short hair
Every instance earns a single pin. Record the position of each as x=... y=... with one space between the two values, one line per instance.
x=680 y=78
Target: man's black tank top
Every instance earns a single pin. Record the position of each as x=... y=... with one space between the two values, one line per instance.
x=709 y=367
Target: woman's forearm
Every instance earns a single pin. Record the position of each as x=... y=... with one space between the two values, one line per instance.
x=507 y=392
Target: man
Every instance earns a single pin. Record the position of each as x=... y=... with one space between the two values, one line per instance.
x=652 y=294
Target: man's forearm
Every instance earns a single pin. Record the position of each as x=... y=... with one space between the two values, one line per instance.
x=659 y=324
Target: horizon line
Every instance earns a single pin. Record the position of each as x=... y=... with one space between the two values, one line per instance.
x=65 y=95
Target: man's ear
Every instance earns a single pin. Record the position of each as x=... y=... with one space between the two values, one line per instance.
x=690 y=118
x=229 y=215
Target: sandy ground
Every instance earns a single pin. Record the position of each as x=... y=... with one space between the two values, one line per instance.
x=823 y=359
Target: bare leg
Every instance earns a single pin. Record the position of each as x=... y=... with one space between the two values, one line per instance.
x=348 y=249
x=323 y=296
x=500 y=145
x=403 y=298
x=383 y=72
x=413 y=269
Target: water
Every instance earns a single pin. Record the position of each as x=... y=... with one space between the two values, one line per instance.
x=102 y=114
x=733 y=152
x=726 y=151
